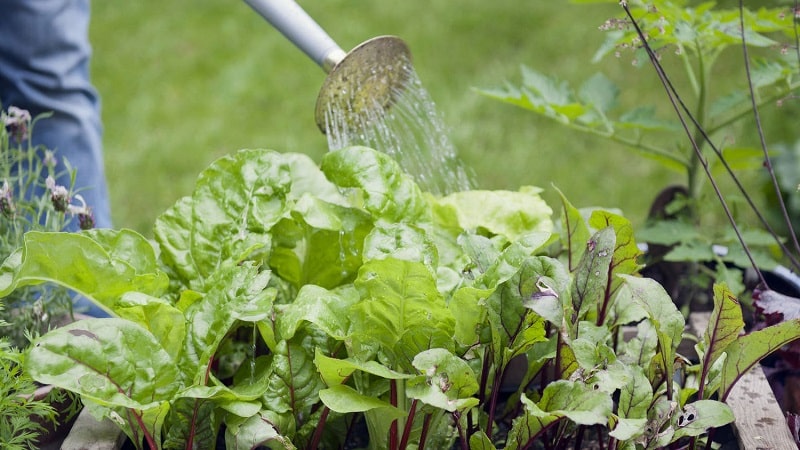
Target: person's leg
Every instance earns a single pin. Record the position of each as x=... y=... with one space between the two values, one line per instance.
x=44 y=67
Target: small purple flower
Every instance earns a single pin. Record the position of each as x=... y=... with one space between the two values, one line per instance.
x=7 y=207
x=84 y=213
x=17 y=121
x=59 y=195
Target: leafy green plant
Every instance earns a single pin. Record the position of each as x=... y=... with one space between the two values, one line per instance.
x=291 y=303
x=21 y=414
x=695 y=36
x=31 y=200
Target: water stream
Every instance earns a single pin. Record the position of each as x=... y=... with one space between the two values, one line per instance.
x=411 y=131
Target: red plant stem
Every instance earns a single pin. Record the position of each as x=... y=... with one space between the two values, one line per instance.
x=461 y=435
x=484 y=375
x=407 y=428
x=314 y=444
x=426 y=426
x=393 y=426
x=498 y=378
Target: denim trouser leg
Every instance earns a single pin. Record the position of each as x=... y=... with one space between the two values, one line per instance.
x=44 y=67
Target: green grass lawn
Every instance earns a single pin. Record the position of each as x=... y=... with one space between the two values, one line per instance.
x=183 y=85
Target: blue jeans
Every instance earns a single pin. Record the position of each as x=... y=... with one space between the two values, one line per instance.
x=44 y=67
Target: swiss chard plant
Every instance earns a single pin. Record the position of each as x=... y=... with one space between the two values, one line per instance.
x=688 y=39
x=292 y=305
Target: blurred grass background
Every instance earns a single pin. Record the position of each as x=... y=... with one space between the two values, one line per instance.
x=184 y=83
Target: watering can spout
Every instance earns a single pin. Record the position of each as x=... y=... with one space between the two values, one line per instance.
x=368 y=78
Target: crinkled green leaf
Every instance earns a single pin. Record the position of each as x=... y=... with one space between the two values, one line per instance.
x=234 y=203
x=255 y=431
x=507 y=213
x=237 y=293
x=401 y=241
x=379 y=183
x=328 y=310
x=110 y=361
x=294 y=383
x=121 y=261
x=399 y=300
x=626 y=252
x=552 y=298
x=173 y=232
x=480 y=441
x=318 y=243
x=158 y=316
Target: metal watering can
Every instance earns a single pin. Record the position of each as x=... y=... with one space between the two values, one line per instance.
x=371 y=75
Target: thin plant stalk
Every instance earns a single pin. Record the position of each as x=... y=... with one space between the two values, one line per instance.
x=672 y=95
x=761 y=137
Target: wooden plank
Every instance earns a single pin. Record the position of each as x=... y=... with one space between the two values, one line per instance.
x=90 y=434
x=760 y=423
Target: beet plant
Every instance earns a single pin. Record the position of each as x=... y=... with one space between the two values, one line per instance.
x=296 y=306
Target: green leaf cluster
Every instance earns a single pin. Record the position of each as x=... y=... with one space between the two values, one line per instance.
x=286 y=300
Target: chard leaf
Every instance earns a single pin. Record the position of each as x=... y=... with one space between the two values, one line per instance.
x=401 y=241
x=166 y=322
x=294 y=382
x=384 y=189
x=399 y=301
x=236 y=200
x=320 y=246
x=336 y=371
x=190 y=419
x=561 y=399
x=113 y=362
x=101 y=271
x=327 y=310
x=576 y=232
x=592 y=277
x=468 y=306
x=237 y=293
x=344 y=399
x=448 y=382
x=746 y=351
x=724 y=326
x=173 y=232
x=254 y=432
x=506 y=213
